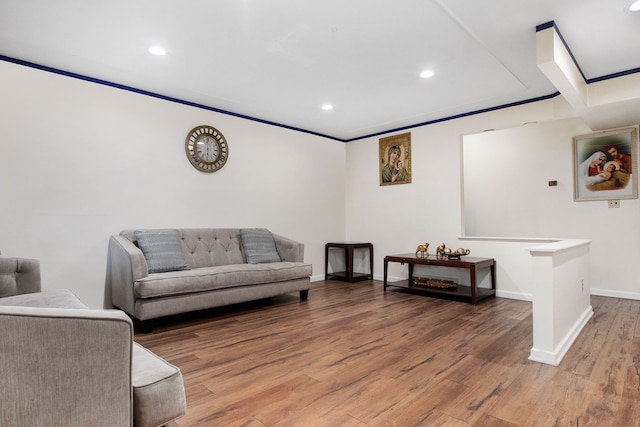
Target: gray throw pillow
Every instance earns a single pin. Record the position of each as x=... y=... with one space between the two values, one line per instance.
x=259 y=246
x=162 y=250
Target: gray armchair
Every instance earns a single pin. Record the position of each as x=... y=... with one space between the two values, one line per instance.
x=65 y=364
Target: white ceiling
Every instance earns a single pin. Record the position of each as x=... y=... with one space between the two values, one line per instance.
x=281 y=60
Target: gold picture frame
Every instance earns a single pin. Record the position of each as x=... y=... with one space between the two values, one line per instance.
x=395 y=159
x=605 y=165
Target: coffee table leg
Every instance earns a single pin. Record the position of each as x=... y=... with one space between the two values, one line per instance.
x=472 y=284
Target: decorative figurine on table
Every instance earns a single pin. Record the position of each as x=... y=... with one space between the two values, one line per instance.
x=422 y=250
x=443 y=252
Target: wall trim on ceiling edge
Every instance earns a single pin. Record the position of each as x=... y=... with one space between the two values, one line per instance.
x=155 y=95
x=552 y=24
x=267 y=122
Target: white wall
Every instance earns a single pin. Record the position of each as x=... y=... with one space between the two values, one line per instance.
x=518 y=163
x=80 y=161
x=398 y=218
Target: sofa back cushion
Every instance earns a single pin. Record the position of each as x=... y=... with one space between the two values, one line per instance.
x=19 y=276
x=259 y=246
x=162 y=250
x=210 y=247
x=206 y=247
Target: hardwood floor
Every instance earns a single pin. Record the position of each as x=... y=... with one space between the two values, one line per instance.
x=353 y=355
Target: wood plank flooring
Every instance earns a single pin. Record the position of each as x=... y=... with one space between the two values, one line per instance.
x=354 y=355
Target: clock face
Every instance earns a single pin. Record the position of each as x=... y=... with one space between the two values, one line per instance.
x=206 y=148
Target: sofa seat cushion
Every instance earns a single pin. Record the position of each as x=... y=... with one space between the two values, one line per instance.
x=60 y=298
x=158 y=389
x=219 y=277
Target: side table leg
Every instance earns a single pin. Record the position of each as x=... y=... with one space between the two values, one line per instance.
x=326 y=262
x=371 y=261
x=386 y=266
x=350 y=264
x=493 y=276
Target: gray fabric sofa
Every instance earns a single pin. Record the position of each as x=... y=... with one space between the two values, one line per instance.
x=221 y=267
x=66 y=365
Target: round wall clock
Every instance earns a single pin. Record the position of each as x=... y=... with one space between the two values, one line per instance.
x=206 y=148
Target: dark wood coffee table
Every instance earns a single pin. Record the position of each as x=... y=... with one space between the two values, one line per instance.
x=471 y=293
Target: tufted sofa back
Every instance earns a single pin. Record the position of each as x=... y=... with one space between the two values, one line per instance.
x=19 y=276
x=207 y=247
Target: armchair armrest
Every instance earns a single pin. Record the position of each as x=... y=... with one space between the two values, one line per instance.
x=19 y=276
x=289 y=250
x=65 y=366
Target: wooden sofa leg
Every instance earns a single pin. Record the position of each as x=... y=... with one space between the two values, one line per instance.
x=304 y=294
x=147 y=326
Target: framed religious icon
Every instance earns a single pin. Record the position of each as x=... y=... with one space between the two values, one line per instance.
x=395 y=159
x=604 y=164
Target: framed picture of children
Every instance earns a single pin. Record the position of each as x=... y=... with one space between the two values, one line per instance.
x=395 y=159
x=604 y=165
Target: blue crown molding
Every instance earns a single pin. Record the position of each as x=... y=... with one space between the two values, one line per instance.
x=614 y=75
x=552 y=24
x=458 y=116
x=156 y=95
x=267 y=122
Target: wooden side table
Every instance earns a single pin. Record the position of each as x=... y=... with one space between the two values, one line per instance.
x=349 y=275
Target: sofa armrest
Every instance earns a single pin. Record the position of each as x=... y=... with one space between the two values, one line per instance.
x=289 y=250
x=126 y=265
x=19 y=276
x=65 y=367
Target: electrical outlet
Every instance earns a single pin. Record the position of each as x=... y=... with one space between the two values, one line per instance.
x=614 y=203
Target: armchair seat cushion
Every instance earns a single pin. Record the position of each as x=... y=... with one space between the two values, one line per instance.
x=218 y=277
x=158 y=389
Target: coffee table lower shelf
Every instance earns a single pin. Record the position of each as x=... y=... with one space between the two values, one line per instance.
x=461 y=292
x=344 y=275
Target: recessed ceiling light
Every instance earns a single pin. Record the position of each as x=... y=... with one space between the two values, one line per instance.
x=157 y=50
x=327 y=107
x=635 y=6
x=428 y=73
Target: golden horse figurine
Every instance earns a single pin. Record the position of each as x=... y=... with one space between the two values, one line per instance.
x=423 y=250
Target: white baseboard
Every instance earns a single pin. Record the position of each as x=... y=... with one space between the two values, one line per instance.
x=615 y=294
x=554 y=358
x=514 y=295
x=543 y=356
x=318 y=277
